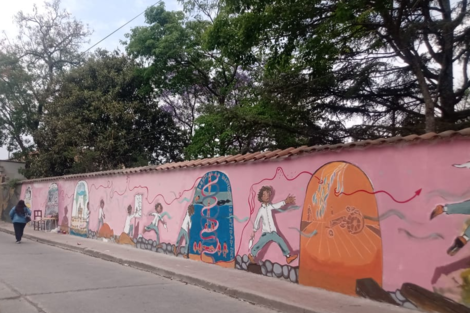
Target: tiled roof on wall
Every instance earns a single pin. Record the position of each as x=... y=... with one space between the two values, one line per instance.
x=267 y=155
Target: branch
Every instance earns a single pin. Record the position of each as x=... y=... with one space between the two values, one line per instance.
x=460 y=93
x=459 y=19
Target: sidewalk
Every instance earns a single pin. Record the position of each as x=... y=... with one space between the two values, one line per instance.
x=257 y=289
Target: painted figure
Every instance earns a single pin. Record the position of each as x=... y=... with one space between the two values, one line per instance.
x=87 y=214
x=128 y=228
x=80 y=213
x=269 y=231
x=158 y=216
x=52 y=206
x=28 y=198
x=64 y=226
x=455 y=208
x=101 y=215
x=184 y=231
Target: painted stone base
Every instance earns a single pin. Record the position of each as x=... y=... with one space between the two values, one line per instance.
x=401 y=300
x=151 y=245
x=92 y=234
x=268 y=268
x=95 y=235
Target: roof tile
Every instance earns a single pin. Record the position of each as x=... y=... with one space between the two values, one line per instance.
x=270 y=154
x=266 y=155
x=285 y=152
x=232 y=158
x=250 y=156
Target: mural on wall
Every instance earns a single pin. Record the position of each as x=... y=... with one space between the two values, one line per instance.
x=264 y=219
x=211 y=236
x=453 y=280
x=101 y=215
x=64 y=225
x=52 y=206
x=28 y=197
x=138 y=214
x=128 y=231
x=272 y=228
x=103 y=230
x=462 y=208
x=80 y=211
x=348 y=244
x=313 y=221
x=183 y=235
x=158 y=216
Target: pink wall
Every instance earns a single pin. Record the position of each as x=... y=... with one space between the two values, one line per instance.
x=400 y=170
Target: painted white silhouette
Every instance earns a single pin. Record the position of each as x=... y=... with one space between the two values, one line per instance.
x=464 y=165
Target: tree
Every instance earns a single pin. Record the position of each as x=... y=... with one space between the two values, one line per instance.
x=430 y=38
x=15 y=103
x=47 y=45
x=174 y=49
x=186 y=77
x=100 y=120
x=184 y=106
x=258 y=121
x=248 y=128
x=215 y=97
x=391 y=62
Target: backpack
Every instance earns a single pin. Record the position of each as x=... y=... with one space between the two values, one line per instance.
x=27 y=217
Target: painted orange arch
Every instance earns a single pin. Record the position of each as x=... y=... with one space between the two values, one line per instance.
x=348 y=244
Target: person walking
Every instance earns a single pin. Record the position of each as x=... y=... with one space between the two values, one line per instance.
x=19 y=215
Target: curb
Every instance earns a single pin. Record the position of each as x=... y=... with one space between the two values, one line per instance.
x=270 y=303
x=45 y=241
x=264 y=300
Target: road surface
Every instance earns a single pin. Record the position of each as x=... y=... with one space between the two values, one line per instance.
x=37 y=278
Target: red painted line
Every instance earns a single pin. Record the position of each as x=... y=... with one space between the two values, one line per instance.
x=252 y=195
x=417 y=193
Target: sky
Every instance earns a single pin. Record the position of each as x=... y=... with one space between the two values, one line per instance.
x=102 y=16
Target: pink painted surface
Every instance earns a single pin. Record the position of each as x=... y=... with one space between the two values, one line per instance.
x=398 y=170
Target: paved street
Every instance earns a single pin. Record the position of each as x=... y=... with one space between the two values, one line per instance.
x=39 y=278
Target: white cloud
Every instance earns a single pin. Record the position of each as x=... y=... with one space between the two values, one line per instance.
x=9 y=10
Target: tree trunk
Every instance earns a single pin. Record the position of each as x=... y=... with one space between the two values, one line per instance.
x=446 y=77
x=428 y=102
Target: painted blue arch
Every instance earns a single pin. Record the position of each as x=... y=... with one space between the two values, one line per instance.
x=222 y=213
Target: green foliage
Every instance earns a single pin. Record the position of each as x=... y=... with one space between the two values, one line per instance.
x=234 y=114
x=47 y=45
x=13 y=183
x=262 y=125
x=383 y=61
x=100 y=120
x=173 y=47
x=17 y=107
x=233 y=76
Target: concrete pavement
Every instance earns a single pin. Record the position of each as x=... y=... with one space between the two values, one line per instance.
x=37 y=278
x=75 y=277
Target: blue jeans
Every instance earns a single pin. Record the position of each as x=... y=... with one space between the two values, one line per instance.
x=268 y=237
x=183 y=233
x=154 y=228
x=460 y=208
